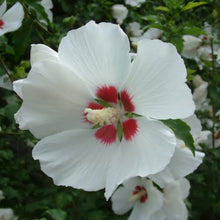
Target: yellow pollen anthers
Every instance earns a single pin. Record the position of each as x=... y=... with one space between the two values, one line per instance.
x=137 y=196
x=105 y=116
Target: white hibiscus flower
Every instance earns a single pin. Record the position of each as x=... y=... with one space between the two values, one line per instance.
x=149 y=203
x=10 y=20
x=119 y=12
x=200 y=93
x=135 y=29
x=151 y=33
x=140 y=195
x=7 y=214
x=83 y=102
x=134 y=3
x=198 y=49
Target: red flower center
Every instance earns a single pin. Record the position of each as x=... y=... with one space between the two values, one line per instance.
x=1 y=23
x=141 y=193
x=112 y=115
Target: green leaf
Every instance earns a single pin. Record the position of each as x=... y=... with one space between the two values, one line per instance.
x=191 y=5
x=178 y=42
x=132 y=115
x=150 y=18
x=56 y=214
x=103 y=103
x=193 y=31
x=190 y=74
x=120 y=131
x=162 y=8
x=181 y=131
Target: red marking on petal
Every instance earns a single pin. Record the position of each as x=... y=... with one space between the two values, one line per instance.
x=108 y=94
x=1 y=23
x=94 y=105
x=106 y=134
x=127 y=101
x=143 y=199
x=130 y=128
x=138 y=188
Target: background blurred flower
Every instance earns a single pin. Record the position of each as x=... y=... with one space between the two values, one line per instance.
x=119 y=12
x=151 y=33
x=134 y=3
x=7 y=214
x=48 y=5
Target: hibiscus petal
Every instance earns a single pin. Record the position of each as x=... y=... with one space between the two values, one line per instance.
x=54 y=99
x=98 y=53
x=74 y=158
x=157 y=82
x=147 y=153
x=3 y=8
x=120 y=200
x=174 y=207
x=41 y=52
x=13 y=18
x=181 y=164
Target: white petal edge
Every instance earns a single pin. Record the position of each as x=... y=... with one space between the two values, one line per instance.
x=41 y=52
x=157 y=82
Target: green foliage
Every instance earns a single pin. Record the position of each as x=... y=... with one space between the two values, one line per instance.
x=191 y=5
x=181 y=131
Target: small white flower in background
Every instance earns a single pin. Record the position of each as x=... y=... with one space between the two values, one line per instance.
x=183 y=161
x=134 y=3
x=140 y=195
x=7 y=214
x=149 y=203
x=134 y=29
x=151 y=33
x=1 y=193
x=48 y=5
x=5 y=82
x=119 y=12
x=10 y=20
x=200 y=92
x=190 y=46
x=198 y=49
x=90 y=90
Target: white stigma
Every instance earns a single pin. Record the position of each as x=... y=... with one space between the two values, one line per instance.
x=105 y=116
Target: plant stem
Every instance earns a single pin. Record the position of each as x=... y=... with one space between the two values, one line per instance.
x=6 y=69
